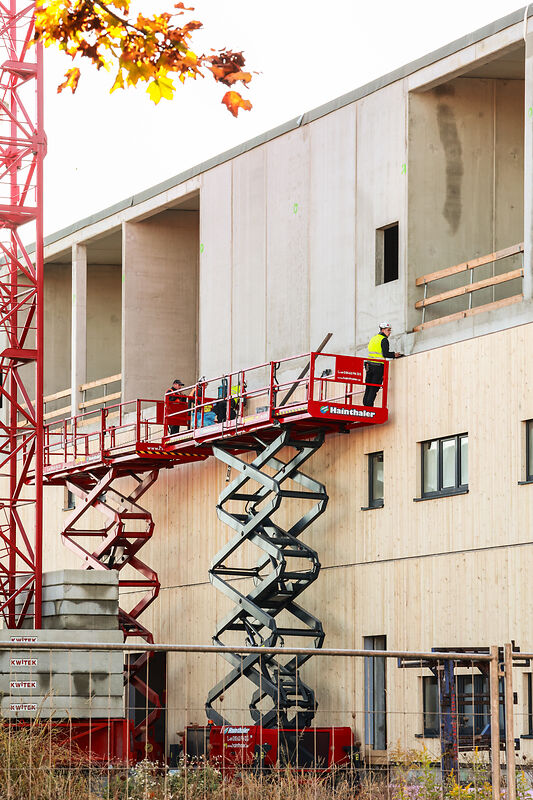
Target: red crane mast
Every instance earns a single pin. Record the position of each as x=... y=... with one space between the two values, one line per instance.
x=22 y=150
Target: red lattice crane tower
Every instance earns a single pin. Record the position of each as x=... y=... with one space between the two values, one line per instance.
x=22 y=150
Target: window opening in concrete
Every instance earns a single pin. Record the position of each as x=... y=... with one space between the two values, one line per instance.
x=445 y=465
x=376 y=694
x=387 y=254
x=375 y=480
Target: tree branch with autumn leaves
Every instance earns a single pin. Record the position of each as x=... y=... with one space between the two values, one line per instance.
x=139 y=49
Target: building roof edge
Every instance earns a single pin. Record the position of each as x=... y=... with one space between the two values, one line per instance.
x=309 y=116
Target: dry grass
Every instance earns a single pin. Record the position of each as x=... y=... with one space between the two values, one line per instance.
x=35 y=764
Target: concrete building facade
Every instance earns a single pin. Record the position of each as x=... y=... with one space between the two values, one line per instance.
x=324 y=225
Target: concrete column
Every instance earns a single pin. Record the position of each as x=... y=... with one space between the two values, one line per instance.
x=79 y=323
x=528 y=168
x=159 y=303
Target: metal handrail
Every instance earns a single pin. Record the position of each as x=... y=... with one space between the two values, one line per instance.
x=67 y=439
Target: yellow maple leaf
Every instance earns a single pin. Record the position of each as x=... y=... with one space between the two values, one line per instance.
x=161 y=88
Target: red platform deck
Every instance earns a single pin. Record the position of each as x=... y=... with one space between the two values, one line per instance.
x=231 y=408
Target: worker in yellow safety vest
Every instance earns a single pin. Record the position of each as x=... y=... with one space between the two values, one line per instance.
x=378 y=350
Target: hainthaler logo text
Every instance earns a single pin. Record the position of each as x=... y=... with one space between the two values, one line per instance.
x=227 y=730
x=346 y=412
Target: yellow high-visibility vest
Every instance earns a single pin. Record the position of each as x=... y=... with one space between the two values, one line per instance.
x=374 y=347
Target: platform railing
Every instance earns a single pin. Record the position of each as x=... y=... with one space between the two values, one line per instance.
x=119 y=425
x=229 y=403
x=468 y=290
x=269 y=397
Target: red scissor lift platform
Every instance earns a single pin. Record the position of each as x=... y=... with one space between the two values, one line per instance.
x=294 y=402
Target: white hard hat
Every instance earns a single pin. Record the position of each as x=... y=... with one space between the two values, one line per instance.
x=385 y=325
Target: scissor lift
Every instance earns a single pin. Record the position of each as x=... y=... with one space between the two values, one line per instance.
x=266 y=411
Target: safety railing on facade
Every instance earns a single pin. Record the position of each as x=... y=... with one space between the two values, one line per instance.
x=470 y=289
x=52 y=411
x=87 y=390
x=51 y=400
x=389 y=724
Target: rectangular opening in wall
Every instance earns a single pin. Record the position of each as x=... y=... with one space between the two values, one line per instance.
x=375 y=480
x=387 y=254
x=376 y=694
x=529 y=450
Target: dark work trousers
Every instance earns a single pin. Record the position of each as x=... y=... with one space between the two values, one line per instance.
x=374 y=374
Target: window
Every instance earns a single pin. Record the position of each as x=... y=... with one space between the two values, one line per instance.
x=445 y=466
x=529 y=715
x=375 y=480
x=529 y=450
x=376 y=694
x=387 y=251
x=69 y=500
x=473 y=705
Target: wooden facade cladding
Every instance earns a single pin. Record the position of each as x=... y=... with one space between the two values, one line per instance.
x=452 y=571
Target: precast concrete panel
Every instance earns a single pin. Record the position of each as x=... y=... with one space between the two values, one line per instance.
x=381 y=200
x=57 y=311
x=528 y=169
x=104 y=313
x=465 y=190
x=215 y=294
x=249 y=259
x=288 y=215
x=159 y=303
x=332 y=230
x=508 y=179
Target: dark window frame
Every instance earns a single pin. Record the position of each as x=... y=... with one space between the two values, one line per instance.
x=529 y=713
x=473 y=707
x=69 y=502
x=429 y=732
x=529 y=459
x=459 y=487
x=375 y=693
x=374 y=502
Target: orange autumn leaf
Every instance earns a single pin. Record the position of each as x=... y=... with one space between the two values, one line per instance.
x=233 y=102
x=72 y=77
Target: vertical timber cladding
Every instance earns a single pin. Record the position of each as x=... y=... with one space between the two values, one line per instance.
x=383 y=570
x=21 y=323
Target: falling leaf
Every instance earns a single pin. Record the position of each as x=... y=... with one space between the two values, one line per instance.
x=233 y=101
x=72 y=78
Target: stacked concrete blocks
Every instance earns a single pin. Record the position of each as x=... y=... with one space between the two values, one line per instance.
x=78 y=606
x=77 y=599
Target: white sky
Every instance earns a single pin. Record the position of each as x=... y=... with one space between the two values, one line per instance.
x=103 y=148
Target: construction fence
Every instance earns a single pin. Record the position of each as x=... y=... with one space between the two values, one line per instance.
x=110 y=720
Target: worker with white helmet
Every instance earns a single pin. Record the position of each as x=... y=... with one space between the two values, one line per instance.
x=378 y=350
